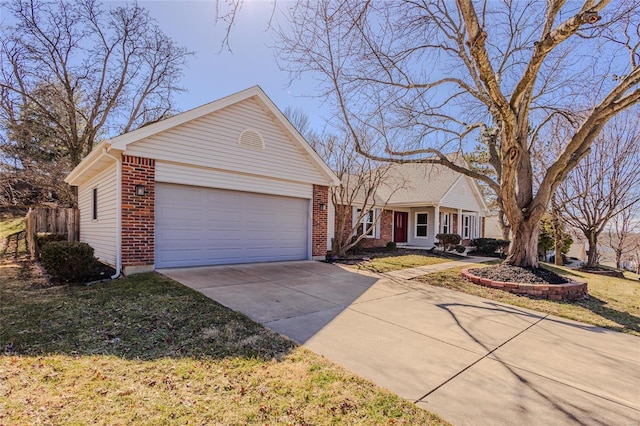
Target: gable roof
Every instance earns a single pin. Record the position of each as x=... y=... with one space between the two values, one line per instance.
x=99 y=156
x=420 y=184
x=425 y=183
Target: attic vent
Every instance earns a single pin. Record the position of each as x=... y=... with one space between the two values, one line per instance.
x=251 y=139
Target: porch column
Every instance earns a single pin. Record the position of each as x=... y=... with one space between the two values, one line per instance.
x=476 y=232
x=459 y=230
x=436 y=222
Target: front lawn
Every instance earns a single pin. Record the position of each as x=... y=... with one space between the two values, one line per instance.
x=146 y=350
x=395 y=263
x=613 y=303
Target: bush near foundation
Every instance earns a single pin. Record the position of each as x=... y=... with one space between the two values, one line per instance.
x=69 y=261
x=490 y=246
x=448 y=241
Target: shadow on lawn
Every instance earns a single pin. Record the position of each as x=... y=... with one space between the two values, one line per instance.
x=623 y=319
x=145 y=316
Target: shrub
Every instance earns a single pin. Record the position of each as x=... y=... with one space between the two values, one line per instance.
x=490 y=246
x=68 y=261
x=391 y=246
x=448 y=240
x=460 y=248
x=42 y=239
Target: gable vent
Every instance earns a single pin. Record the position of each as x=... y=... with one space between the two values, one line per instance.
x=251 y=139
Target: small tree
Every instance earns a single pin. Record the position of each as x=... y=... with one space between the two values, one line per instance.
x=623 y=234
x=553 y=236
x=604 y=184
x=366 y=188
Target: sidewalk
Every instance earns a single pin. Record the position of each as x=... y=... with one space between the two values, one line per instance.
x=407 y=274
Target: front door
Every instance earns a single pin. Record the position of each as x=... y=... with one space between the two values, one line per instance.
x=400 y=225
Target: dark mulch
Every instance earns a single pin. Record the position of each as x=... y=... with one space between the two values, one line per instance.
x=517 y=274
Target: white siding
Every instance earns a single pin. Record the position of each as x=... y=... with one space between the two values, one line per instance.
x=462 y=196
x=411 y=234
x=101 y=233
x=212 y=141
x=206 y=177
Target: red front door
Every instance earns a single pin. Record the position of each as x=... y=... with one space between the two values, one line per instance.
x=400 y=225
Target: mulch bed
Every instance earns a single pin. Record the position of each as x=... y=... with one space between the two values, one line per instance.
x=517 y=274
x=375 y=253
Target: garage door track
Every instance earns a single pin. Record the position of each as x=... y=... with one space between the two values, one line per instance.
x=471 y=360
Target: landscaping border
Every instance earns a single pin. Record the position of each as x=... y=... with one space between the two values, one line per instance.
x=572 y=290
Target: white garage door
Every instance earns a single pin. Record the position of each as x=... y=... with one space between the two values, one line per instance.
x=202 y=226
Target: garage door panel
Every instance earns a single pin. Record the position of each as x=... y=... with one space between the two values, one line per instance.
x=204 y=226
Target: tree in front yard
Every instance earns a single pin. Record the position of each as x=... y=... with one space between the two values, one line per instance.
x=605 y=183
x=423 y=79
x=623 y=235
x=84 y=72
x=366 y=189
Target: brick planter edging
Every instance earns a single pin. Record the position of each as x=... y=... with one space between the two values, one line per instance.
x=569 y=291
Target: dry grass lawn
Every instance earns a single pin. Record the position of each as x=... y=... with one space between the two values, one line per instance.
x=146 y=350
x=613 y=303
x=395 y=263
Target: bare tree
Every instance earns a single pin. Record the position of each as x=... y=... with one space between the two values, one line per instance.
x=84 y=71
x=367 y=187
x=604 y=184
x=422 y=78
x=623 y=234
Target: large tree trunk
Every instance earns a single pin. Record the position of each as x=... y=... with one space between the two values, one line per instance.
x=592 y=252
x=504 y=226
x=558 y=253
x=523 y=250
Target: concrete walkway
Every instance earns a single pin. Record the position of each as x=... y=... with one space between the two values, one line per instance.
x=409 y=273
x=471 y=360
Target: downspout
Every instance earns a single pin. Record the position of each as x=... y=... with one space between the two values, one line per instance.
x=118 y=213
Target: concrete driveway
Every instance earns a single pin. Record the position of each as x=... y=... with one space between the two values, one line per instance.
x=471 y=360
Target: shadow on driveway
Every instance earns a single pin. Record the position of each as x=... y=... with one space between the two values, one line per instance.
x=471 y=360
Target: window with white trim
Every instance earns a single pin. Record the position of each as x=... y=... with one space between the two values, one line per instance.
x=367 y=223
x=469 y=226
x=444 y=223
x=422 y=222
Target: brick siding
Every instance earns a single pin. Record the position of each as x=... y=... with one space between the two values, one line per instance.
x=138 y=212
x=319 y=235
x=386 y=231
x=386 y=227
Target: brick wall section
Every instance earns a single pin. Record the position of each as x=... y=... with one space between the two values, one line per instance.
x=573 y=290
x=386 y=231
x=138 y=212
x=386 y=226
x=319 y=233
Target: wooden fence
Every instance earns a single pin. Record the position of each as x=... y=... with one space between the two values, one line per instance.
x=51 y=221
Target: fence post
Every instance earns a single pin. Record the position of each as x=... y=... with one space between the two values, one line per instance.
x=30 y=233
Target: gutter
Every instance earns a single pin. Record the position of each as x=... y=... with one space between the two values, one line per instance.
x=118 y=213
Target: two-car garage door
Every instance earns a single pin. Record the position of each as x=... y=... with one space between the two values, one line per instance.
x=203 y=226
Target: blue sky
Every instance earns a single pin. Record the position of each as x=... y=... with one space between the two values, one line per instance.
x=213 y=73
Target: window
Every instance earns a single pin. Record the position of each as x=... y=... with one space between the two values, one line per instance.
x=468 y=226
x=422 y=219
x=94 y=204
x=444 y=223
x=367 y=223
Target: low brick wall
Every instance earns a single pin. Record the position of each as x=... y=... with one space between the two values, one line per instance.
x=569 y=291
